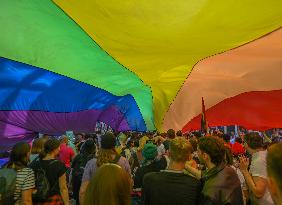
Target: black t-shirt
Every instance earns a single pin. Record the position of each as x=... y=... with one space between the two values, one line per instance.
x=54 y=169
x=154 y=166
x=170 y=188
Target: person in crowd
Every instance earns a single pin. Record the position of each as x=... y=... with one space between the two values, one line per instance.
x=129 y=152
x=226 y=138
x=274 y=170
x=111 y=185
x=87 y=152
x=256 y=177
x=172 y=186
x=37 y=148
x=106 y=154
x=160 y=146
x=45 y=137
x=150 y=164
x=66 y=154
x=122 y=143
x=142 y=141
x=79 y=140
x=55 y=173
x=233 y=163
x=25 y=181
x=195 y=158
x=170 y=135
x=179 y=133
x=221 y=183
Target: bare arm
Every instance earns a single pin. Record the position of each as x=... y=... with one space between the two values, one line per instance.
x=257 y=185
x=82 y=191
x=64 y=189
x=27 y=197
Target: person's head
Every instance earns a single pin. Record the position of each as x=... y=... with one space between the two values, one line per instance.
x=149 y=151
x=194 y=144
x=37 y=145
x=274 y=171
x=64 y=139
x=122 y=138
x=110 y=185
x=130 y=144
x=45 y=137
x=180 y=150
x=253 y=142
x=226 y=138
x=239 y=140
x=107 y=151
x=211 y=150
x=51 y=147
x=179 y=133
x=79 y=137
x=170 y=134
x=88 y=147
x=143 y=140
x=19 y=156
x=198 y=135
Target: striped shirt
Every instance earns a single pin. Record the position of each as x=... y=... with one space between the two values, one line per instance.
x=25 y=180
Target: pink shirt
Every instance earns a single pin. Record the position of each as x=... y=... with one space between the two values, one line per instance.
x=66 y=154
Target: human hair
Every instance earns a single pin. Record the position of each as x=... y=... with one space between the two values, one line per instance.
x=179 y=149
x=37 y=146
x=122 y=138
x=110 y=185
x=45 y=136
x=171 y=134
x=194 y=144
x=179 y=133
x=228 y=156
x=105 y=156
x=254 y=140
x=226 y=137
x=274 y=163
x=197 y=134
x=88 y=147
x=214 y=147
x=50 y=145
x=239 y=140
x=64 y=139
x=19 y=156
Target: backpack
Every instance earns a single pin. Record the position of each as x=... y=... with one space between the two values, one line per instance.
x=41 y=183
x=77 y=171
x=79 y=164
x=7 y=186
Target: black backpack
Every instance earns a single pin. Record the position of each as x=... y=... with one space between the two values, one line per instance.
x=41 y=183
x=79 y=164
x=7 y=186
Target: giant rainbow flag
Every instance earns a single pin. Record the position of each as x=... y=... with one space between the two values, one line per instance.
x=138 y=65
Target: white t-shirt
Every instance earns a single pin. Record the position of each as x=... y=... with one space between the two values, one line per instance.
x=258 y=169
x=161 y=150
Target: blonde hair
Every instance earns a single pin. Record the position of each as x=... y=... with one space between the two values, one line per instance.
x=38 y=146
x=142 y=142
x=179 y=149
x=110 y=185
x=105 y=156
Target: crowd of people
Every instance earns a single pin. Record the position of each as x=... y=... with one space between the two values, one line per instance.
x=144 y=168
